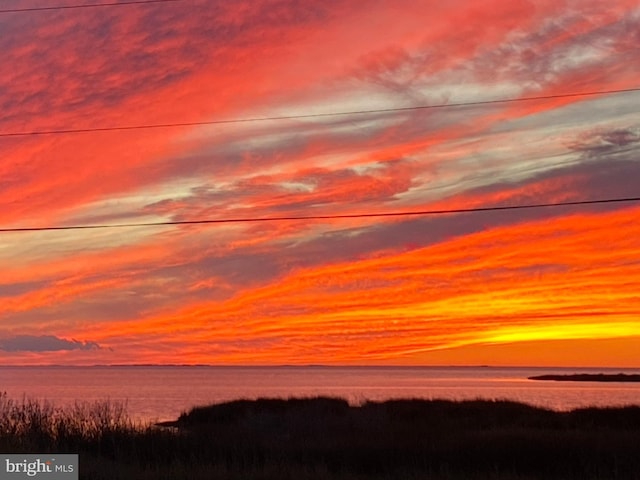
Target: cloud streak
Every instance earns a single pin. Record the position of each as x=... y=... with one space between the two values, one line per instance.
x=43 y=343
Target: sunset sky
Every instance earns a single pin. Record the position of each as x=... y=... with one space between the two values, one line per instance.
x=548 y=286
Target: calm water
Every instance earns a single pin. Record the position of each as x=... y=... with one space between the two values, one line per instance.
x=161 y=393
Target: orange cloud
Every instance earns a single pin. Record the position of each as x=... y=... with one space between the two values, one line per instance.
x=494 y=287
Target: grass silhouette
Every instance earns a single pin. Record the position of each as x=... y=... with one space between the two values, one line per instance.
x=326 y=438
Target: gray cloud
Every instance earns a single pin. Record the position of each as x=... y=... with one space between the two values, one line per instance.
x=525 y=56
x=595 y=144
x=43 y=343
x=8 y=290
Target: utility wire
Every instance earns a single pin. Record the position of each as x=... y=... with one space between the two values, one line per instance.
x=87 y=5
x=314 y=115
x=324 y=217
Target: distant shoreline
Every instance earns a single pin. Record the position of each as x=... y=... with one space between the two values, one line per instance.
x=589 y=377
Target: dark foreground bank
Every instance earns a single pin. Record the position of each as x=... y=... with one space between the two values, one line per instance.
x=325 y=438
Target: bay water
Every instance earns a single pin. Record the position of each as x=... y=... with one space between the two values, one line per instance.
x=158 y=393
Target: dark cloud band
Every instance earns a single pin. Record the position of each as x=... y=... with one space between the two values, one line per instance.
x=43 y=343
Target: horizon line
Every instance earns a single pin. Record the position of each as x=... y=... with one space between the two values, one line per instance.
x=310 y=365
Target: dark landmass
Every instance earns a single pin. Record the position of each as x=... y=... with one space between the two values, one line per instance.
x=590 y=377
x=326 y=438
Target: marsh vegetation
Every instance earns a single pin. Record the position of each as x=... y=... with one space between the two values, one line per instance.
x=326 y=438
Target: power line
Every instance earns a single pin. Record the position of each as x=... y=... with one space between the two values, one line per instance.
x=313 y=115
x=325 y=217
x=87 y=5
